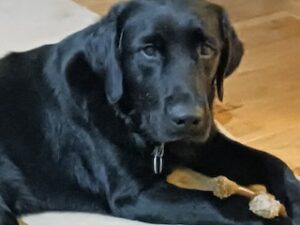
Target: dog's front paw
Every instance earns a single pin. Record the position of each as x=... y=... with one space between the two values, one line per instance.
x=8 y=219
x=21 y=222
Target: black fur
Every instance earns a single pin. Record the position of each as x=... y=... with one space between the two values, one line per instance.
x=79 y=120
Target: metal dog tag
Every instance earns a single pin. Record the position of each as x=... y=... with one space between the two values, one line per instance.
x=158 y=159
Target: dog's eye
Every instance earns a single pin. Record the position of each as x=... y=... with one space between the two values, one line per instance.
x=150 y=51
x=205 y=51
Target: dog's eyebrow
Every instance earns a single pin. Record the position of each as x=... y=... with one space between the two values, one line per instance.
x=199 y=31
x=203 y=35
x=155 y=38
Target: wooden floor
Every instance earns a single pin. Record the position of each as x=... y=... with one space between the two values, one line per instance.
x=262 y=99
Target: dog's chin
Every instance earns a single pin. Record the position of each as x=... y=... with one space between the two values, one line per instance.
x=165 y=136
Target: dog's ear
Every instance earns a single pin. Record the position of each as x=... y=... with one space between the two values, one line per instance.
x=231 y=52
x=103 y=53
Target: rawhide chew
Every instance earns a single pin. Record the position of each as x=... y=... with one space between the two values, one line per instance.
x=262 y=203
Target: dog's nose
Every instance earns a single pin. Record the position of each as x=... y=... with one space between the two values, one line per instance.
x=184 y=117
x=187 y=120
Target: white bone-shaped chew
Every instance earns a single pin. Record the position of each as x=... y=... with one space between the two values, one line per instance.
x=262 y=203
x=265 y=205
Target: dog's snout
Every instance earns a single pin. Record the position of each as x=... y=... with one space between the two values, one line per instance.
x=187 y=120
x=186 y=117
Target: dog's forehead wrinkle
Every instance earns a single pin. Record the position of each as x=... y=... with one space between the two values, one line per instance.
x=164 y=16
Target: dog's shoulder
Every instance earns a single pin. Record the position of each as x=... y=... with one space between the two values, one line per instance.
x=21 y=87
x=23 y=63
x=21 y=76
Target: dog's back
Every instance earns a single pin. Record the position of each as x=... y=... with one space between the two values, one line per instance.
x=21 y=92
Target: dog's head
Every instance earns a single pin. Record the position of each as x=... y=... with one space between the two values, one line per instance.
x=163 y=62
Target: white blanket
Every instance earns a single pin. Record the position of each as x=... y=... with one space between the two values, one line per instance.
x=25 y=24
x=76 y=219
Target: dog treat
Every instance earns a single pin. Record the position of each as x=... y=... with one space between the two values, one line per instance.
x=262 y=203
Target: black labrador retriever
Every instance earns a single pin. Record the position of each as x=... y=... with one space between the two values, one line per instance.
x=96 y=122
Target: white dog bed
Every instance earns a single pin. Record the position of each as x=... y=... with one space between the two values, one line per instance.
x=76 y=219
x=25 y=24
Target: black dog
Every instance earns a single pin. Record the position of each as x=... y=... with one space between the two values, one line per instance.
x=80 y=120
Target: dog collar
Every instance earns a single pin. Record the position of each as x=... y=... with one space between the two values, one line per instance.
x=158 y=158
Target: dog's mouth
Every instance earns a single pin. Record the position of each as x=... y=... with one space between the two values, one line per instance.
x=159 y=133
x=199 y=136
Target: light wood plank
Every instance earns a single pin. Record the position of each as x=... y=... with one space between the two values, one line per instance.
x=262 y=101
x=99 y=6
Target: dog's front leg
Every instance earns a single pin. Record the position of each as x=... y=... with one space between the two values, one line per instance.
x=222 y=156
x=165 y=204
x=13 y=193
x=6 y=215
